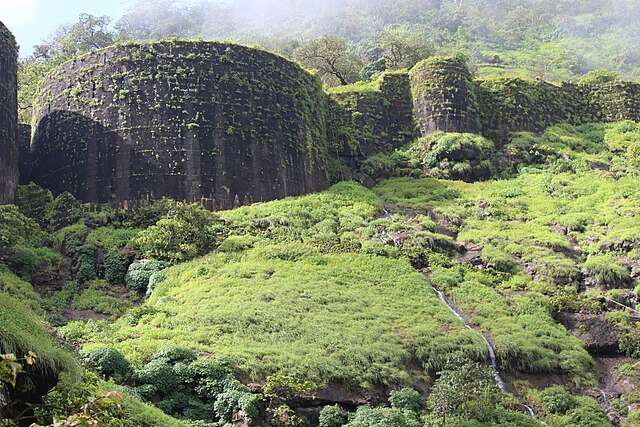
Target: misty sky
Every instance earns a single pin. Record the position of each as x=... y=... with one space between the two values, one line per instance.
x=34 y=20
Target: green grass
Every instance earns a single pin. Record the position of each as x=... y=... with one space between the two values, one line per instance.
x=21 y=290
x=96 y=297
x=353 y=319
x=525 y=336
x=141 y=413
x=22 y=331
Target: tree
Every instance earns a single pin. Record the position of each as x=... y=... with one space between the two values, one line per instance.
x=157 y=19
x=332 y=58
x=463 y=388
x=184 y=232
x=404 y=47
x=89 y=33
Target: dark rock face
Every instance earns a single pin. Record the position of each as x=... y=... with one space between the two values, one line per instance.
x=8 y=115
x=186 y=120
x=444 y=96
x=598 y=336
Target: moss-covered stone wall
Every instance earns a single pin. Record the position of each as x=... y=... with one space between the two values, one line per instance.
x=444 y=96
x=512 y=105
x=230 y=125
x=606 y=102
x=373 y=119
x=187 y=120
x=508 y=105
x=447 y=99
x=8 y=115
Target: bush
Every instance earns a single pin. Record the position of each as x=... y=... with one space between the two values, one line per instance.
x=173 y=354
x=557 y=400
x=595 y=77
x=139 y=273
x=184 y=232
x=28 y=261
x=16 y=228
x=86 y=258
x=96 y=297
x=379 y=166
x=107 y=361
x=36 y=203
x=111 y=239
x=115 y=268
x=606 y=271
x=499 y=260
x=237 y=244
x=406 y=399
x=331 y=416
x=155 y=279
x=366 y=416
x=232 y=401
x=159 y=374
x=462 y=156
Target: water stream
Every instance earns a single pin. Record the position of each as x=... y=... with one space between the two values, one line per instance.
x=605 y=405
x=492 y=354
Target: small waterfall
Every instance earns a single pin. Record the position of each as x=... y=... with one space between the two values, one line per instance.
x=531 y=413
x=386 y=213
x=605 y=405
x=492 y=353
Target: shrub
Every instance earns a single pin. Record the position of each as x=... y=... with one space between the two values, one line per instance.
x=237 y=244
x=173 y=354
x=281 y=386
x=115 y=268
x=96 y=297
x=501 y=261
x=155 y=279
x=453 y=155
x=587 y=413
x=595 y=77
x=66 y=210
x=70 y=238
x=379 y=166
x=606 y=271
x=159 y=374
x=184 y=232
x=36 y=203
x=139 y=273
x=366 y=416
x=405 y=399
x=86 y=258
x=526 y=148
x=557 y=400
x=15 y=228
x=232 y=401
x=111 y=239
x=464 y=388
x=28 y=261
x=107 y=361
x=332 y=416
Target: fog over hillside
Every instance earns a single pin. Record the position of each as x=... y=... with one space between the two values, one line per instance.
x=553 y=39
